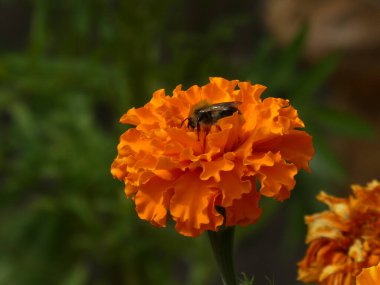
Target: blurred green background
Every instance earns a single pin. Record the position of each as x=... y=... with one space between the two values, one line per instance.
x=69 y=70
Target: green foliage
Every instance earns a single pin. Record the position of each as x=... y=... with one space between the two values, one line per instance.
x=270 y=281
x=245 y=280
x=249 y=281
x=64 y=219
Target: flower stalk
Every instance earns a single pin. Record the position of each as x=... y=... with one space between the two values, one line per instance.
x=222 y=247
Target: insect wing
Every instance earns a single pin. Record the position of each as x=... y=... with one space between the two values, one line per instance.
x=225 y=106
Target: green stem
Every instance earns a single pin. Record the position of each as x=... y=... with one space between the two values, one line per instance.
x=222 y=246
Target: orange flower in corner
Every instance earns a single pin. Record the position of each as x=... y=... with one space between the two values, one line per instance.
x=343 y=240
x=369 y=276
x=196 y=156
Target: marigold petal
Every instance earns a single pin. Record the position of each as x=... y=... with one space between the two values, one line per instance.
x=227 y=135
x=152 y=201
x=296 y=147
x=309 y=267
x=134 y=142
x=278 y=180
x=158 y=99
x=288 y=116
x=140 y=116
x=338 y=206
x=369 y=276
x=331 y=269
x=192 y=205
x=325 y=225
x=233 y=187
x=130 y=189
x=185 y=140
x=244 y=211
x=260 y=159
x=191 y=96
x=224 y=84
x=219 y=90
x=119 y=168
x=213 y=168
x=217 y=140
x=250 y=93
x=366 y=198
x=263 y=120
x=356 y=251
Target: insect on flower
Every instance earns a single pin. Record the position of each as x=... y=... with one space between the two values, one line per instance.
x=207 y=115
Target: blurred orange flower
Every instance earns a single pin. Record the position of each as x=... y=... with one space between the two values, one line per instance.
x=369 y=276
x=343 y=240
x=205 y=178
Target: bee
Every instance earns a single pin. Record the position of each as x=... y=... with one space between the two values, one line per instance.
x=208 y=115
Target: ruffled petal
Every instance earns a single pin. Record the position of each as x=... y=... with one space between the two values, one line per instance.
x=325 y=225
x=213 y=168
x=190 y=97
x=339 y=206
x=192 y=205
x=289 y=118
x=249 y=93
x=296 y=147
x=233 y=187
x=369 y=276
x=140 y=116
x=278 y=180
x=119 y=168
x=152 y=201
x=231 y=128
x=219 y=90
x=244 y=211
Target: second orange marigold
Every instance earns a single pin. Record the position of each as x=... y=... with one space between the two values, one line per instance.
x=343 y=240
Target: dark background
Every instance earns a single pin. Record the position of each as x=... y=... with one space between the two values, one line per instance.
x=69 y=70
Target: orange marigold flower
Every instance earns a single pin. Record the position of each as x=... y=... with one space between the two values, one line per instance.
x=343 y=240
x=206 y=177
x=369 y=276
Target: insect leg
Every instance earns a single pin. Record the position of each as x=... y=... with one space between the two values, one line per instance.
x=184 y=121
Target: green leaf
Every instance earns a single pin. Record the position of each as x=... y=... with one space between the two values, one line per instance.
x=24 y=120
x=312 y=80
x=38 y=38
x=246 y=280
x=5 y=272
x=325 y=163
x=77 y=276
x=343 y=123
x=283 y=71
